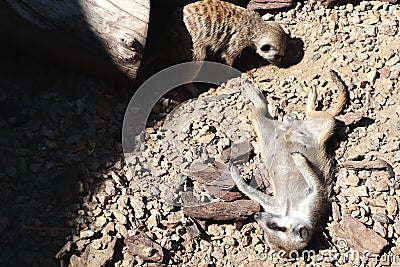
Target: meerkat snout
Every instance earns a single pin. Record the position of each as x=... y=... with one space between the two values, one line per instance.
x=283 y=233
x=271 y=45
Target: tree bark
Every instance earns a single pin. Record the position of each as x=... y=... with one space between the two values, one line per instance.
x=240 y=209
x=103 y=37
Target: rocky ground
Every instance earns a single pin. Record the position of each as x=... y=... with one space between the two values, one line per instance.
x=69 y=197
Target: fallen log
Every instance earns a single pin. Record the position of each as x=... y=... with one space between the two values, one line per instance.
x=101 y=37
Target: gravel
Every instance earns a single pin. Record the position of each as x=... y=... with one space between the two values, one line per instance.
x=65 y=187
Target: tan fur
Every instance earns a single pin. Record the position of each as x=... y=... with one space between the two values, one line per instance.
x=300 y=170
x=228 y=29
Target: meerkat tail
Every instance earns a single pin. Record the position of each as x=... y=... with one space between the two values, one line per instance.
x=336 y=108
x=249 y=191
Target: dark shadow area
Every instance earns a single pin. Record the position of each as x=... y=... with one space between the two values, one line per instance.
x=364 y=122
x=249 y=59
x=59 y=133
x=294 y=53
x=158 y=43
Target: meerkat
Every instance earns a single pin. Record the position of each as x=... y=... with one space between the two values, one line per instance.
x=227 y=29
x=300 y=169
x=220 y=27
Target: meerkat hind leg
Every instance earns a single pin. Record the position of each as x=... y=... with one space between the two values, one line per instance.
x=320 y=124
x=257 y=98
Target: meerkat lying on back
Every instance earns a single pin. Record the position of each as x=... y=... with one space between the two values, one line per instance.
x=227 y=29
x=294 y=151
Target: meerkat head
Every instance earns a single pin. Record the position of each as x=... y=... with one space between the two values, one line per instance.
x=284 y=233
x=270 y=42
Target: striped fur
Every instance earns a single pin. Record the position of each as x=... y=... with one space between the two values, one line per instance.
x=227 y=29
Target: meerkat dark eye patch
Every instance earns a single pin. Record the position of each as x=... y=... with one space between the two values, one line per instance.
x=275 y=227
x=303 y=232
x=265 y=48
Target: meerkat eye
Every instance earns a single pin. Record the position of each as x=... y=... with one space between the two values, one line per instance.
x=265 y=48
x=303 y=232
x=275 y=227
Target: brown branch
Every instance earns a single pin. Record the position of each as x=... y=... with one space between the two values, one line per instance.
x=378 y=164
x=220 y=210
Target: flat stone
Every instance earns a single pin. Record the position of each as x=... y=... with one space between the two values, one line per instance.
x=316 y=56
x=395 y=250
x=393 y=61
x=358 y=191
x=153 y=220
x=100 y=222
x=396 y=157
x=94 y=257
x=380 y=217
x=387 y=52
x=380 y=229
x=358 y=236
x=381 y=186
x=336 y=212
x=352 y=179
x=385 y=72
x=143 y=247
x=396 y=227
x=377 y=202
x=121 y=229
x=240 y=150
x=138 y=206
x=86 y=234
x=392 y=206
x=119 y=216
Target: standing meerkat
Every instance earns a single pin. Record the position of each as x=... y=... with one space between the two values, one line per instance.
x=299 y=167
x=226 y=29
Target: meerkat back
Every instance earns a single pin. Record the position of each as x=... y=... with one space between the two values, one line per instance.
x=226 y=29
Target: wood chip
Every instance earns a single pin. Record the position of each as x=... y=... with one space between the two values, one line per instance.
x=239 y=151
x=220 y=210
x=351 y=118
x=143 y=247
x=93 y=257
x=216 y=179
x=378 y=164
